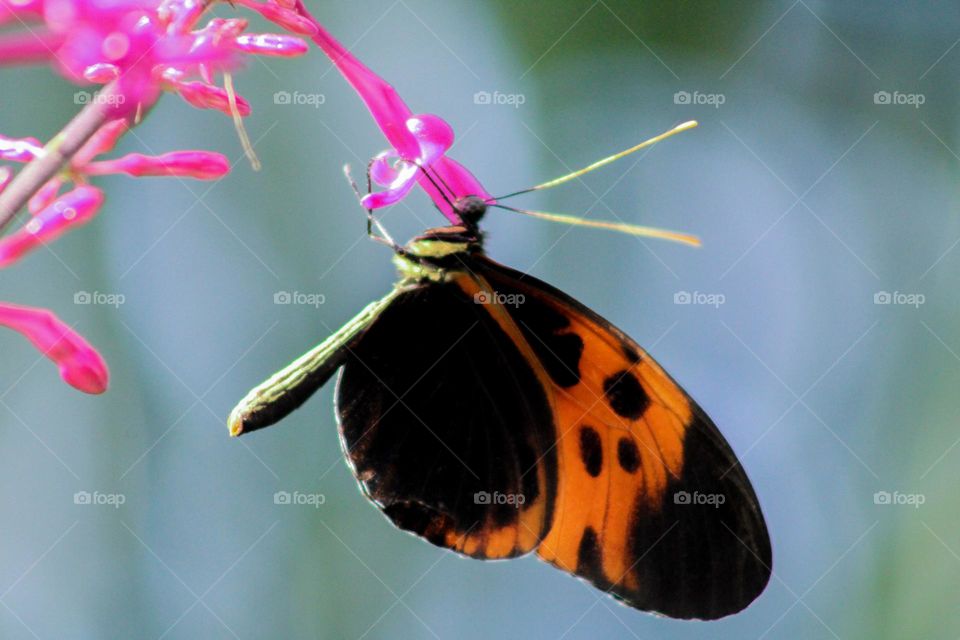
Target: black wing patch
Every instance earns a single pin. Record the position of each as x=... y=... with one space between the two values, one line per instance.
x=706 y=552
x=447 y=427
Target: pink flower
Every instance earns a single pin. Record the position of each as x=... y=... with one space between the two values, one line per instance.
x=19 y=150
x=70 y=210
x=203 y=165
x=420 y=142
x=203 y=95
x=433 y=137
x=80 y=365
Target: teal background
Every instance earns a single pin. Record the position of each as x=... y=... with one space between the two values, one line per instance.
x=809 y=196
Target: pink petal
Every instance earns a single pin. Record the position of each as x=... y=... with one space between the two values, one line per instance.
x=285 y=17
x=137 y=91
x=180 y=15
x=203 y=165
x=104 y=140
x=404 y=181
x=26 y=10
x=45 y=196
x=6 y=175
x=388 y=109
x=72 y=209
x=384 y=168
x=433 y=135
x=272 y=44
x=20 y=149
x=206 y=96
x=79 y=363
x=36 y=45
x=101 y=72
x=219 y=29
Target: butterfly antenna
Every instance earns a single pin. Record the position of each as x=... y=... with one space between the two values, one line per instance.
x=439 y=177
x=437 y=186
x=622 y=227
x=602 y=163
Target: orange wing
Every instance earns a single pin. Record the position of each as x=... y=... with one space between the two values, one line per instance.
x=652 y=504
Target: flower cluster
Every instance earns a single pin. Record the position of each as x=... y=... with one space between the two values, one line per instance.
x=137 y=49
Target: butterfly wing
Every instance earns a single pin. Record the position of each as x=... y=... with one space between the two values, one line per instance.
x=653 y=505
x=447 y=426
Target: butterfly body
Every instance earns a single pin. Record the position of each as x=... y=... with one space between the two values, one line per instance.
x=493 y=415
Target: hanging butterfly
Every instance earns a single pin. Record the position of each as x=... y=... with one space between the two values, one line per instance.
x=494 y=415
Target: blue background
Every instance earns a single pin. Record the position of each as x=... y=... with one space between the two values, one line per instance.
x=811 y=198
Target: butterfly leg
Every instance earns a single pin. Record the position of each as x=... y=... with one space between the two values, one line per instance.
x=384 y=236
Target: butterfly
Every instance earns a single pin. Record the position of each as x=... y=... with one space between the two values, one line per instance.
x=493 y=415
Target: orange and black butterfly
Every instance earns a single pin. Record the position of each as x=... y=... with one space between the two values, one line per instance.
x=493 y=415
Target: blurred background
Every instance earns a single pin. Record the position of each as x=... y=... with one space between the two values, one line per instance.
x=822 y=332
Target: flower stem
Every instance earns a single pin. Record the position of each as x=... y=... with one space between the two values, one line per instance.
x=57 y=153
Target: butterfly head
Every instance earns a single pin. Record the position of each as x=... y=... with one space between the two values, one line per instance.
x=442 y=242
x=470 y=209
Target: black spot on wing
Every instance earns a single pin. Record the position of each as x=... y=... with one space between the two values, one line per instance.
x=628 y=455
x=631 y=353
x=625 y=395
x=589 y=554
x=560 y=355
x=591 y=450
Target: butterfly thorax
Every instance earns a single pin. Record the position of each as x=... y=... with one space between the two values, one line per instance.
x=438 y=253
